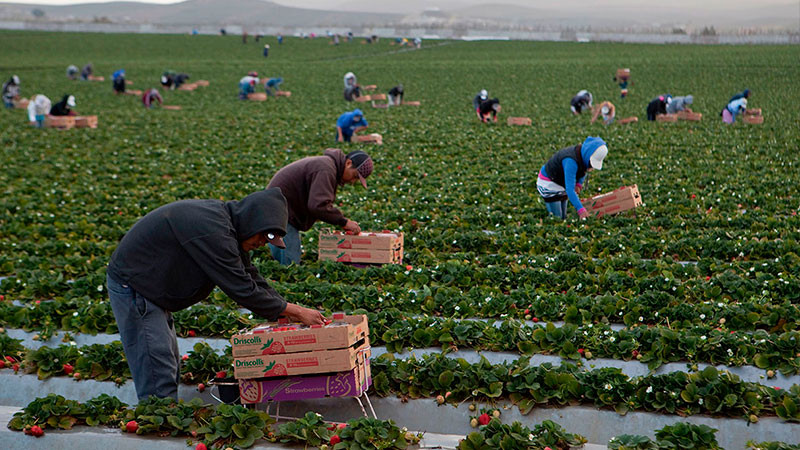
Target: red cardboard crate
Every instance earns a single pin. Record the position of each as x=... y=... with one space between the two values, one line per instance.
x=364 y=256
x=85 y=121
x=520 y=121
x=60 y=122
x=315 y=362
x=365 y=240
x=350 y=383
x=277 y=338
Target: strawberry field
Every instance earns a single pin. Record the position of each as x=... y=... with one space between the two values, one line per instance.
x=681 y=316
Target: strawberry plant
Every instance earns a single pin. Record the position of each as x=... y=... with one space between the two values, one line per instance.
x=772 y=445
x=366 y=433
x=53 y=411
x=166 y=417
x=309 y=430
x=686 y=435
x=234 y=426
x=203 y=364
x=517 y=436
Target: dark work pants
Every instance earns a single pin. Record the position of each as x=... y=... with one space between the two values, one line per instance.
x=149 y=341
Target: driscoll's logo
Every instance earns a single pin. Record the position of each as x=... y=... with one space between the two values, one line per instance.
x=249 y=363
x=252 y=340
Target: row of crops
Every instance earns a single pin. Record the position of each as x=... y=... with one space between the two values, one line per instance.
x=707 y=272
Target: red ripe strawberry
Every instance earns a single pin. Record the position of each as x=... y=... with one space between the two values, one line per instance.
x=694 y=196
x=527 y=311
x=201 y=387
x=335 y=439
x=409 y=267
x=581 y=351
x=635 y=353
x=484 y=419
x=68 y=369
x=332 y=427
x=131 y=426
x=535 y=319
x=15 y=367
x=10 y=359
x=37 y=431
x=38 y=302
x=191 y=333
x=222 y=374
x=201 y=446
x=341 y=426
x=185 y=357
x=2 y=363
x=2 y=298
x=399 y=167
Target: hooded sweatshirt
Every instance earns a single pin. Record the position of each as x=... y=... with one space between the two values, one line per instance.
x=679 y=104
x=564 y=169
x=10 y=90
x=61 y=108
x=309 y=186
x=176 y=254
x=348 y=123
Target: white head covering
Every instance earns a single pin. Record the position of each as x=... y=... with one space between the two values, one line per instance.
x=598 y=156
x=71 y=101
x=484 y=94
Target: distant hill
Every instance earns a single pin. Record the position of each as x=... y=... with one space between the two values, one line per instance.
x=198 y=12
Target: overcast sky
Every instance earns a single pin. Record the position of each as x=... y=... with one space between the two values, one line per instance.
x=386 y=4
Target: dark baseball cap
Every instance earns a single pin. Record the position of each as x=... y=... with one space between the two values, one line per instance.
x=362 y=163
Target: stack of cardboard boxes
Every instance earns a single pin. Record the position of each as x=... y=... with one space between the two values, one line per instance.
x=753 y=116
x=285 y=362
x=367 y=247
x=623 y=199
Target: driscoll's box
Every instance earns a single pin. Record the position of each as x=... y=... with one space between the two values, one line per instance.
x=361 y=255
x=322 y=361
x=370 y=240
x=617 y=201
x=351 y=383
x=270 y=339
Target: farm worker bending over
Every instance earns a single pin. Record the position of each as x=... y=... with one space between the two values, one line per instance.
x=351 y=87
x=309 y=186
x=395 y=96
x=658 y=106
x=151 y=96
x=86 y=72
x=247 y=85
x=118 y=81
x=733 y=109
x=72 y=72
x=582 y=101
x=679 y=104
x=605 y=109
x=743 y=94
x=11 y=91
x=482 y=96
x=350 y=123
x=173 y=258
x=64 y=107
x=563 y=176
x=487 y=108
x=38 y=109
x=273 y=83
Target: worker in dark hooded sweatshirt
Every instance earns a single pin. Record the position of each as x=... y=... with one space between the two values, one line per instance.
x=173 y=258
x=310 y=185
x=563 y=176
x=64 y=107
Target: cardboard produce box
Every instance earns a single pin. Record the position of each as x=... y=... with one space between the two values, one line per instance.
x=279 y=365
x=378 y=97
x=21 y=103
x=276 y=338
x=94 y=78
x=350 y=383
x=756 y=120
x=363 y=98
x=374 y=138
x=370 y=240
x=370 y=87
x=614 y=202
x=61 y=122
x=283 y=93
x=753 y=111
x=623 y=74
x=364 y=256
x=171 y=107
x=188 y=87
x=133 y=92
x=257 y=96
x=666 y=118
x=520 y=121
x=203 y=83
x=628 y=120
x=692 y=116
x=85 y=121
x=411 y=103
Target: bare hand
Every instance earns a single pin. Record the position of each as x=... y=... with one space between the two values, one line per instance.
x=352 y=226
x=578 y=189
x=306 y=316
x=583 y=214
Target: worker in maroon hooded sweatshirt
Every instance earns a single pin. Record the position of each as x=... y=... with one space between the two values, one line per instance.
x=309 y=186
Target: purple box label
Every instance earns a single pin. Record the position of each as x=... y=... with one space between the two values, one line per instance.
x=343 y=384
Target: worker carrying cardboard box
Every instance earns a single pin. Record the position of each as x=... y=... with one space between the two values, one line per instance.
x=736 y=105
x=350 y=123
x=309 y=186
x=173 y=258
x=563 y=176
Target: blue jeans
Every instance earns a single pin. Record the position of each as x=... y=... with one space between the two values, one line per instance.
x=149 y=341
x=345 y=137
x=290 y=254
x=9 y=104
x=244 y=89
x=40 y=120
x=557 y=208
